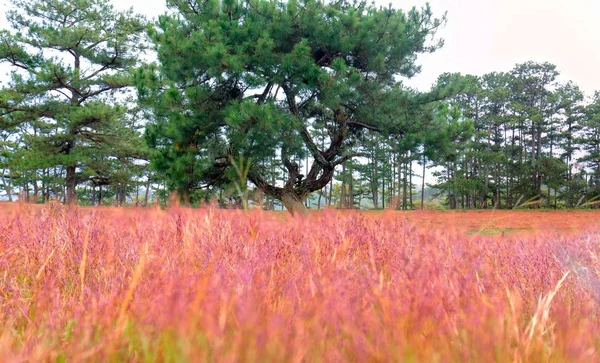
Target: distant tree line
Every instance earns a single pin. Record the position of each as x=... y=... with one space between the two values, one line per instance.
x=532 y=141
x=505 y=140
x=296 y=104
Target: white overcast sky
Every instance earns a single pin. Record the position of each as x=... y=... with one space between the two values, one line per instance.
x=491 y=35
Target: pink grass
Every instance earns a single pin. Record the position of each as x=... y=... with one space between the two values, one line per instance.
x=197 y=285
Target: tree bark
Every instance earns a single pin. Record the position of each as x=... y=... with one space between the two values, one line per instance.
x=401 y=190
x=8 y=189
x=455 y=196
x=410 y=185
x=343 y=203
x=423 y=184
x=330 y=192
x=71 y=183
x=147 y=192
x=404 y=182
x=36 y=189
x=350 y=191
x=319 y=200
x=383 y=193
x=375 y=181
x=396 y=167
x=47 y=186
x=293 y=203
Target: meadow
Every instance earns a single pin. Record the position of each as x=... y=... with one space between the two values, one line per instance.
x=92 y=284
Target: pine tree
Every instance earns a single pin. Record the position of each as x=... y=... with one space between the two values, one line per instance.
x=72 y=62
x=254 y=78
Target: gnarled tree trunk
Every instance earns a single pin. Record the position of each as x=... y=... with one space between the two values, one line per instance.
x=298 y=187
x=293 y=203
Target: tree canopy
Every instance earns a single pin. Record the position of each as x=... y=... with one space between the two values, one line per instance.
x=70 y=61
x=259 y=78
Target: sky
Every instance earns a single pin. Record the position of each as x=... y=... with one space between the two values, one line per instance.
x=483 y=36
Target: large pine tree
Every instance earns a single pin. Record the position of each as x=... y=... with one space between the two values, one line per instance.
x=257 y=78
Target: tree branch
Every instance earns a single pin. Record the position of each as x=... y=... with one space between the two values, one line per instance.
x=363 y=125
x=293 y=171
x=263 y=185
x=99 y=91
x=345 y=158
x=312 y=147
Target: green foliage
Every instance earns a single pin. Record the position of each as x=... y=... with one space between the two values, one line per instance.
x=528 y=132
x=65 y=100
x=261 y=78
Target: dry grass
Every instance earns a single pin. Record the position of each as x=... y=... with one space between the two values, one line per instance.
x=211 y=285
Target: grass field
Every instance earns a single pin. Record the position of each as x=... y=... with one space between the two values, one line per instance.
x=211 y=285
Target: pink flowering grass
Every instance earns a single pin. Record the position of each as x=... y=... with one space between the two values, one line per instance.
x=212 y=285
